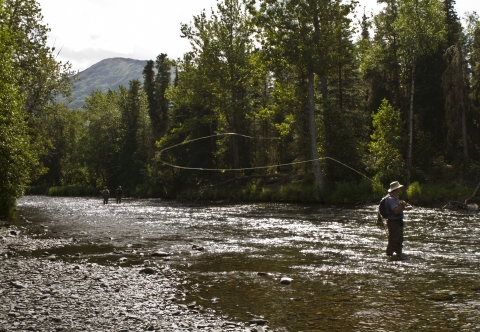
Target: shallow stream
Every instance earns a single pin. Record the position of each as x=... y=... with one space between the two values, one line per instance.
x=236 y=254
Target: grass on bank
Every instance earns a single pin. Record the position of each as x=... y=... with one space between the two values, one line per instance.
x=63 y=191
x=355 y=193
x=306 y=191
x=437 y=193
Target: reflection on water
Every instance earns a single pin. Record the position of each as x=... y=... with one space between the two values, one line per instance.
x=342 y=280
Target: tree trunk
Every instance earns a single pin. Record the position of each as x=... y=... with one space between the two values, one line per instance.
x=410 y=125
x=464 y=104
x=236 y=159
x=466 y=159
x=317 y=171
x=340 y=88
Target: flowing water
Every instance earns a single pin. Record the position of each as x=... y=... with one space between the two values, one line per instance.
x=342 y=279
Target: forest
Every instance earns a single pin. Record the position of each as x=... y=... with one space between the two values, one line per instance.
x=278 y=100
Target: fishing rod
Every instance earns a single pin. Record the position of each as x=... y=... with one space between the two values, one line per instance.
x=379 y=220
x=249 y=168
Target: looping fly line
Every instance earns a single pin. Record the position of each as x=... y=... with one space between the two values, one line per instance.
x=245 y=168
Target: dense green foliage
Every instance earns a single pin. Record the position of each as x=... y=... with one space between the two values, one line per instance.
x=16 y=154
x=30 y=79
x=385 y=145
x=316 y=110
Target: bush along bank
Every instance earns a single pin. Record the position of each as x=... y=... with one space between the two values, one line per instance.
x=430 y=194
x=63 y=191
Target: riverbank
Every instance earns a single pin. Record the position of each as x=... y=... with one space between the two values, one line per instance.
x=335 y=256
x=48 y=294
x=285 y=190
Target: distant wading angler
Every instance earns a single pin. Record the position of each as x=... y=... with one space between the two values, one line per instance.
x=119 y=194
x=106 y=195
x=394 y=208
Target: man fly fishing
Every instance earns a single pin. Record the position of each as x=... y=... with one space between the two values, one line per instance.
x=119 y=194
x=393 y=211
x=106 y=194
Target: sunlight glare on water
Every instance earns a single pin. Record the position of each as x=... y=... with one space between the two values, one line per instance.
x=342 y=279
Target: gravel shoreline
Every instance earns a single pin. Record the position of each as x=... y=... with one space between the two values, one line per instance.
x=46 y=294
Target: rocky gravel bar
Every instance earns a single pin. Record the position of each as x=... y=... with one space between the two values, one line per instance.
x=48 y=294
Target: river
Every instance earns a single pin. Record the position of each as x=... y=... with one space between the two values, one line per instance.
x=236 y=254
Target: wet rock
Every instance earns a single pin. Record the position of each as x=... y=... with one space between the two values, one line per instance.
x=258 y=321
x=472 y=207
x=198 y=248
x=262 y=274
x=17 y=285
x=147 y=270
x=286 y=281
x=134 y=317
x=13 y=233
x=122 y=260
x=160 y=254
x=52 y=258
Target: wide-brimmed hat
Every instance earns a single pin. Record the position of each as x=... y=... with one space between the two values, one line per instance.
x=394 y=186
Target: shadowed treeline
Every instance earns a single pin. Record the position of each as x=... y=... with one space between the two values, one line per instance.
x=399 y=101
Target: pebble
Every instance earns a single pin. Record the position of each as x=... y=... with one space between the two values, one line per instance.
x=472 y=207
x=52 y=295
x=286 y=281
x=147 y=270
x=122 y=260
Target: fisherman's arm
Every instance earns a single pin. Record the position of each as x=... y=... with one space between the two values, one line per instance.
x=403 y=206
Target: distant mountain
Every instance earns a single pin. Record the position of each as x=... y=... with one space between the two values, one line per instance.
x=104 y=75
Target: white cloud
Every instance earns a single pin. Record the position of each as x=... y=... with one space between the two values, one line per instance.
x=92 y=30
x=88 y=31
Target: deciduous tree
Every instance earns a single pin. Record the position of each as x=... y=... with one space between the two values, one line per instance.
x=420 y=27
x=17 y=156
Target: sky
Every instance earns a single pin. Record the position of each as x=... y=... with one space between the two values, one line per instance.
x=85 y=32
